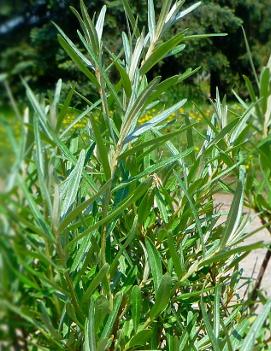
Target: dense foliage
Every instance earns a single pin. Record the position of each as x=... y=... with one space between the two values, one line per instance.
x=110 y=237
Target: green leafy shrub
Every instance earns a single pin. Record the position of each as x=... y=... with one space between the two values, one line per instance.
x=110 y=236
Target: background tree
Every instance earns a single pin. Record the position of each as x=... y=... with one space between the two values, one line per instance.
x=225 y=58
x=29 y=47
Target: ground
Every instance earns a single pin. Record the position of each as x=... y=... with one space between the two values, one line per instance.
x=252 y=263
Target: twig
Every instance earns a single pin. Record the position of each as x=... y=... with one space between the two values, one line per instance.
x=261 y=273
x=254 y=293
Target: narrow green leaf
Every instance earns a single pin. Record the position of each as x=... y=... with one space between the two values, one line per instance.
x=249 y=341
x=151 y=19
x=69 y=189
x=64 y=109
x=154 y=168
x=136 y=306
x=160 y=52
x=194 y=210
x=100 y=24
x=250 y=57
x=174 y=255
x=162 y=206
x=128 y=241
x=90 y=339
x=46 y=231
x=224 y=255
x=209 y=329
x=234 y=214
x=217 y=311
x=125 y=79
x=166 y=84
x=78 y=210
x=193 y=294
x=227 y=129
x=155 y=141
x=162 y=296
x=47 y=321
x=190 y=139
x=155 y=263
x=126 y=47
x=40 y=165
x=136 y=55
x=154 y=121
x=96 y=281
x=164 y=14
x=188 y=10
x=139 y=339
x=73 y=48
x=138 y=192
x=205 y=36
x=112 y=317
x=77 y=57
x=102 y=148
x=102 y=310
x=177 y=50
x=94 y=42
x=264 y=88
x=136 y=107
x=130 y=16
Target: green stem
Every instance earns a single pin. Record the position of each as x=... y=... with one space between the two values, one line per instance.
x=104 y=103
x=12 y=100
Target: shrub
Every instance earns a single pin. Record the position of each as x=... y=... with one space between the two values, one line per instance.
x=114 y=242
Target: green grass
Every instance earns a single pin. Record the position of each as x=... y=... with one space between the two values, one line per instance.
x=7 y=118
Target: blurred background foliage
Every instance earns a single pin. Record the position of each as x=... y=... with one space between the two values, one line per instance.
x=29 y=47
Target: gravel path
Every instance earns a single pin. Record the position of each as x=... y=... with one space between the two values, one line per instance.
x=252 y=263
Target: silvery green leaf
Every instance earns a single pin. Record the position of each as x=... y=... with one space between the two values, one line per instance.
x=100 y=24
x=163 y=14
x=130 y=17
x=136 y=56
x=57 y=92
x=74 y=48
x=136 y=106
x=172 y=13
x=126 y=47
x=243 y=123
x=235 y=213
x=90 y=28
x=90 y=339
x=78 y=118
x=146 y=40
x=151 y=19
x=53 y=108
x=154 y=121
x=70 y=187
x=188 y=10
x=160 y=51
x=176 y=50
